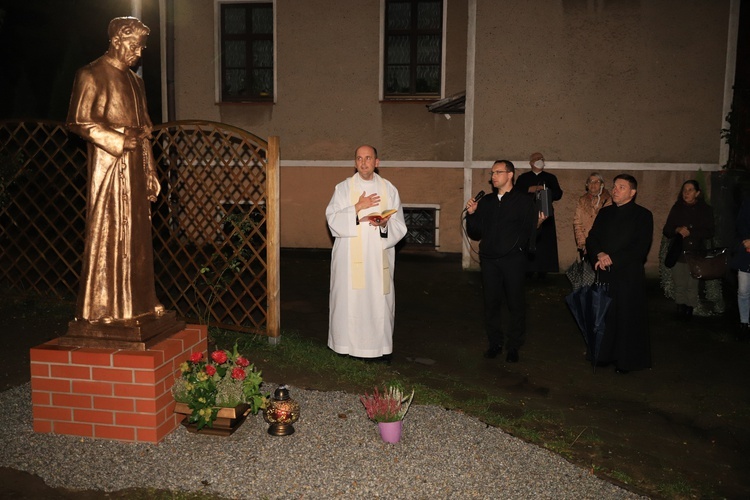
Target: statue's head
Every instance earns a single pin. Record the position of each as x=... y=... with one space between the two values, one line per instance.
x=127 y=39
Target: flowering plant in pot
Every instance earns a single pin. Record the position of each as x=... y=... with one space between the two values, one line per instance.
x=389 y=406
x=225 y=380
x=388 y=410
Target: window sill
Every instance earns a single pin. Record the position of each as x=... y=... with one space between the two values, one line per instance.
x=243 y=103
x=420 y=100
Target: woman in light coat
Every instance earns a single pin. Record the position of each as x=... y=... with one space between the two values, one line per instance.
x=588 y=207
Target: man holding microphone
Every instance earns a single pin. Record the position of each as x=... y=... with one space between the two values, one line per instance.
x=505 y=223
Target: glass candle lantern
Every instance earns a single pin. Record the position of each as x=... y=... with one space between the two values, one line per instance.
x=281 y=412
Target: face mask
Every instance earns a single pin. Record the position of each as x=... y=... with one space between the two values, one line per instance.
x=539 y=164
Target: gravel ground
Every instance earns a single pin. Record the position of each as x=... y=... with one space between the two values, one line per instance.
x=335 y=452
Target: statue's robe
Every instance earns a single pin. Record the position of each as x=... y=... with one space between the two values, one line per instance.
x=117 y=279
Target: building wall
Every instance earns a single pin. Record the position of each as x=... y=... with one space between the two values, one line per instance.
x=635 y=81
x=194 y=56
x=632 y=85
x=327 y=101
x=303 y=209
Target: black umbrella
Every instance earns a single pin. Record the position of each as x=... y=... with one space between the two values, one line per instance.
x=589 y=306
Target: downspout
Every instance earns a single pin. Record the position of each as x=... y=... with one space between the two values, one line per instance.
x=469 y=119
x=166 y=22
x=136 y=10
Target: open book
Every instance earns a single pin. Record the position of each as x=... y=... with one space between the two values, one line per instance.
x=378 y=217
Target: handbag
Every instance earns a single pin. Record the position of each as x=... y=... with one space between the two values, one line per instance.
x=580 y=273
x=709 y=267
x=674 y=251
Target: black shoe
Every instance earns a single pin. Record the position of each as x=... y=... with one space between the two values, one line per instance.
x=743 y=333
x=680 y=312
x=512 y=356
x=621 y=371
x=385 y=359
x=688 y=313
x=493 y=351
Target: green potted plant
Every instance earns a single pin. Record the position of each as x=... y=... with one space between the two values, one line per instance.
x=218 y=392
x=388 y=410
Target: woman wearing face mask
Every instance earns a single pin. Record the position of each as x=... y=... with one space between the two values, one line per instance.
x=691 y=218
x=588 y=206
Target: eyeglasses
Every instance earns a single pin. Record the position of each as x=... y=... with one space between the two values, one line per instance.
x=498 y=172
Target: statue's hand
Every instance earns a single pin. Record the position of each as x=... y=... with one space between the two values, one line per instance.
x=153 y=187
x=130 y=143
x=135 y=134
x=132 y=138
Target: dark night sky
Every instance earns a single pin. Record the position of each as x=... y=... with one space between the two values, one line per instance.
x=44 y=42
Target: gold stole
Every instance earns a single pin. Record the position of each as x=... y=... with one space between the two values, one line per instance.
x=355 y=247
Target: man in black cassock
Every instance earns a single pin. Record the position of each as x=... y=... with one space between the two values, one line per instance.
x=618 y=245
x=545 y=259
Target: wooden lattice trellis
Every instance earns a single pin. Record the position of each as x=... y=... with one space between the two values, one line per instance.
x=215 y=225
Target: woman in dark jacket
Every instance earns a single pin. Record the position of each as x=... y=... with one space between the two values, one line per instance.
x=693 y=220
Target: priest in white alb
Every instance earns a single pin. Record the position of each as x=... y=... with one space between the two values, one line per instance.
x=362 y=302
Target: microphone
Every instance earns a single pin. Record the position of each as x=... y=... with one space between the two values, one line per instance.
x=476 y=198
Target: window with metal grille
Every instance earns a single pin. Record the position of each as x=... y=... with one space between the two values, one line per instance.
x=247 y=52
x=422 y=224
x=413 y=46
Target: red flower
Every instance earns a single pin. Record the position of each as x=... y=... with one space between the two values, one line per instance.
x=238 y=374
x=196 y=357
x=243 y=362
x=210 y=370
x=219 y=356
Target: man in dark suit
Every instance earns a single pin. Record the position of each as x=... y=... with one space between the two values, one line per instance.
x=535 y=182
x=506 y=223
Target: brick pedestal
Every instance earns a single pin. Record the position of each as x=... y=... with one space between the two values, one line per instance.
x=110 y=393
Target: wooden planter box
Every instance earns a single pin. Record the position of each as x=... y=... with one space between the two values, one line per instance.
x=227 y=420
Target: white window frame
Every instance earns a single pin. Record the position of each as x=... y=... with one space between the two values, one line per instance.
x=217 y=49
x=381 y=55
x=437 y=217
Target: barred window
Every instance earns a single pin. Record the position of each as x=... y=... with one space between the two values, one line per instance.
x=422 y=226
